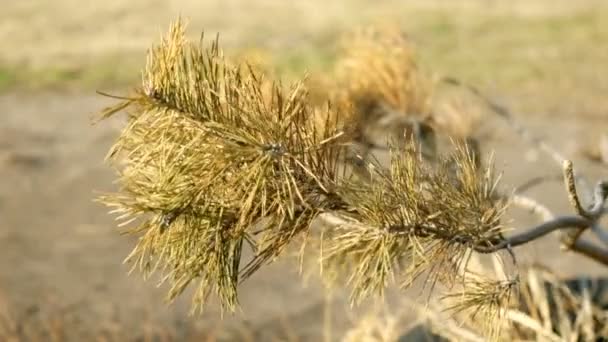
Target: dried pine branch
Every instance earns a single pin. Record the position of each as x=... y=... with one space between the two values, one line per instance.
x=207 y=156
x=378 y=66
x=215 y=158
x=397 y=226
x=483 y=300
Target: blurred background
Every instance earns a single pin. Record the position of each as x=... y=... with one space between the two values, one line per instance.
x=61 y=257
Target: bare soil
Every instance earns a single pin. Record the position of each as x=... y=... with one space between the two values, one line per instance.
x=60 y=249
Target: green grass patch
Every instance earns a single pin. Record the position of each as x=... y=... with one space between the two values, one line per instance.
x=101 y=73
x=509 y=51
x=8 y=78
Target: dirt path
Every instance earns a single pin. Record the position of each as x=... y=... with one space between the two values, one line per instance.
x=58 y=246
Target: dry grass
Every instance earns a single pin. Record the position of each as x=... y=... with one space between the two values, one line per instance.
x=378 y=85
x=225 y=169
x=547 y=308
x=522 y=43
x=379 y=65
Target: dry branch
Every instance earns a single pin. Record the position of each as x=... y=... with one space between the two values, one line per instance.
x=215 y=158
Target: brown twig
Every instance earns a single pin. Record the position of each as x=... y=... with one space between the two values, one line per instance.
x=537 y=181
x=505 y=113
x=564 y=222
x=600 y=233
x=570 y=239
x=591 y=251
x=533 y=206
x=572 y=226
x=571 y=188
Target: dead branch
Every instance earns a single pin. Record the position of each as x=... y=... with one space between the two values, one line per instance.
x=533 y=206
x=505 y=113
x=563 y=222
x=571 y=227
x=520 y=129
x=571 y=234
x=526 y=186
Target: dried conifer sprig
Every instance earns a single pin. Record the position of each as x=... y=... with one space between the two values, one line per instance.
x=215 y=158
x=380 y=66
x=207 y=156
x=483 y=300
x=413 y=218
x=376 y=79
x=212 y=161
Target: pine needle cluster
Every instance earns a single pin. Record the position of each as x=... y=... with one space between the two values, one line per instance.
x=378 y=67
x=382 y=90
x=206 y=155
x=483 y=301
x=541 y=306
x=376 y=86
x=416 y=217
x=215 y=159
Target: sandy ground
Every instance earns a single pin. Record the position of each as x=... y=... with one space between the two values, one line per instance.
x=60 y=248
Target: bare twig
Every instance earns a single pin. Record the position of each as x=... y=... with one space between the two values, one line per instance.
x=600 y=233
x=599 y=198
x=506 y=114
x=597 y=209
x=591 y=251
x=569 y=238
x=537 y=181
x=521 y=130
x=564 y=222
x=571 y=188
x=533 y=206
